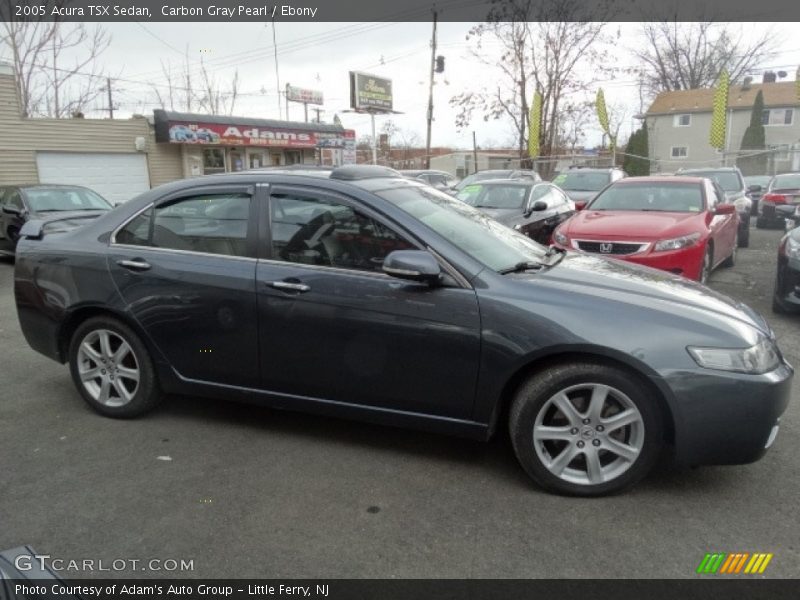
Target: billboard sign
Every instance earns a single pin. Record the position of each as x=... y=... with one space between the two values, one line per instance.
x=370 y=93
x=296 y=94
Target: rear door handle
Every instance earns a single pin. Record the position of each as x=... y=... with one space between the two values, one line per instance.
x=287 y=286
x=134 y=265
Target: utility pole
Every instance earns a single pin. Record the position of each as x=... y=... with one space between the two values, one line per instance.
x=277 y=75
x=430 y=93
x=474 y=153
x=374 y=139
x=110 y=103
x=316 y=110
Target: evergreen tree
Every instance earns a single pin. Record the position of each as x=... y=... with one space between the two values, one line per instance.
x=754 y=139
x=638 y=146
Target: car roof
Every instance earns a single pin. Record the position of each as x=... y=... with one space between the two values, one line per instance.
x=517 y=182
x=669 y=179
x=710 y=170
x=578 y=169
x=45 y=186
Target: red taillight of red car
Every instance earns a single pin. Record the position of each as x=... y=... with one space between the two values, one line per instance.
x=775 y=198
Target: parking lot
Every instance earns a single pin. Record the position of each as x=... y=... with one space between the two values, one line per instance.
x=248 y=492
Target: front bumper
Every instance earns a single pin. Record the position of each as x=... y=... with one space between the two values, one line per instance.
x=727 y=418
x=686 y=261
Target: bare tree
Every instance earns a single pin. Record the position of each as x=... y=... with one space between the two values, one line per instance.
x=55 y=65
x=180 y=92
x=545 y=45
x=684 y=56
x=213 y=99
x=575 y=117
x=402 y=140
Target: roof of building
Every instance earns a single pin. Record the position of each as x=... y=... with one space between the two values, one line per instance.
x=782 y=93
x=167 y=115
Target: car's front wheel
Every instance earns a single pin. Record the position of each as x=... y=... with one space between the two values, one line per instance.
x=112 y=369
x=585 y=429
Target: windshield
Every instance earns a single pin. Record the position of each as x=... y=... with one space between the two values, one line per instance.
x=786 y=182
x=581 y=181
x=58 y=199
x=484 y=239
x=728 y=180
x=495 y=196
x=482 y=177
x=666 y=197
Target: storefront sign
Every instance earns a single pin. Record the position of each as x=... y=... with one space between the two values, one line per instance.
x=296 y=94
x=235 y=135
x=370 y=93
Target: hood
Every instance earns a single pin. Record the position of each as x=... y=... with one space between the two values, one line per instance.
x=629 y=224
x=632 y=284
x=580 y=195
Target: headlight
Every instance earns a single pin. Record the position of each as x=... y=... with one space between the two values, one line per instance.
x=761 y=358
x=560 y=238
x=741 y=204
x=792 y=248
x=677 y=243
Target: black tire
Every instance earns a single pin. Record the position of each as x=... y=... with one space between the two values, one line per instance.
x=708 y=264
x=533 y=398
x=776 y=307
x=146 y=394
x=731 y=260
x=744 y=240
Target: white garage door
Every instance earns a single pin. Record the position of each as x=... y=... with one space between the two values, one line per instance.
x=116 y=177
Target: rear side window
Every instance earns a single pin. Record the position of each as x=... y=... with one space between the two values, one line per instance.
x=211 y=224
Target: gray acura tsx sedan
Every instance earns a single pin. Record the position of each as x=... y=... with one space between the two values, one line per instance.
x=359 y=293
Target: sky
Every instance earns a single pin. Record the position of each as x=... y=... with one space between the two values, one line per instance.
x=319 y=56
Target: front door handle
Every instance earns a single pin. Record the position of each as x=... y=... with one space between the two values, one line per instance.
x=135 y=265
x=287 y=286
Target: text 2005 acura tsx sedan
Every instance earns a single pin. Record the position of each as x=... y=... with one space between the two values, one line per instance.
x=364 y=294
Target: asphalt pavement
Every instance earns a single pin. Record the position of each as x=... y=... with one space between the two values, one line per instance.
x=243 y=491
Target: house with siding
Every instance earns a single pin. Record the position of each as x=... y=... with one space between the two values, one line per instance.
x=679 y=123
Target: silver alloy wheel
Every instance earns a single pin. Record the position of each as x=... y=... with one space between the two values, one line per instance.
x=588 y=434
x=108 y=368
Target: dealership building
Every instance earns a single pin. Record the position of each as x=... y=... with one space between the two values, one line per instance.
x=120 y=158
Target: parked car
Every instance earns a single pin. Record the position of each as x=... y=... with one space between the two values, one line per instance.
x=181 y=133
x=535 y=209
x=60 y=207
x=441 y=180
x=786 y=297
x=756 y=184
x=583 y=183
x=678 y=224
x=732 y=183
x=496 y=174
x=779 y=201
x=370 y=296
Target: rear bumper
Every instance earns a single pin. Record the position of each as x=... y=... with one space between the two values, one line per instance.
x=727 y=418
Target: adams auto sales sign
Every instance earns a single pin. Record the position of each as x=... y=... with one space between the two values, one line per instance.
x=233 y=134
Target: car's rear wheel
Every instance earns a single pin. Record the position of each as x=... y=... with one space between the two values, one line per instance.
x=112 y=369
x=743 y=240
x=585 y=429
x=731 y=260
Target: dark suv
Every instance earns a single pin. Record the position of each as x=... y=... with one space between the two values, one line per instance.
x=732 y=183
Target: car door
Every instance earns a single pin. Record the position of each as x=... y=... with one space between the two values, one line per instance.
x=12 y=209
x=723 y=227
x=334 y=327
x=185 y=268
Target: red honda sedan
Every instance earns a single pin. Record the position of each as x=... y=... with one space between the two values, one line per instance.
x=679 y=224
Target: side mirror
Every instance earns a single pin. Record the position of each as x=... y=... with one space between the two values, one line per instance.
x=725 y=209
x=754 y=188
x=415 y=265
x=580 y=204
x=537 y=206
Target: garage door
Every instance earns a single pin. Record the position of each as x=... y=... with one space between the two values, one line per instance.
x=116 y=177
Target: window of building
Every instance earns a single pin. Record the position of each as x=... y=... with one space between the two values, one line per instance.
x=293 y=157
x=213 y=224
x=679 y=151
x=777 y=116
x=317 y=231
x=682 y=120
x=213 y=161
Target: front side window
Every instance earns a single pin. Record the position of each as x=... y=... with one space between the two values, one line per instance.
x=729 y=181
x=495 y=196
x=582 y=181
x=212 y=224
x=319 y=231
x=14 y=199
x=137 y=231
